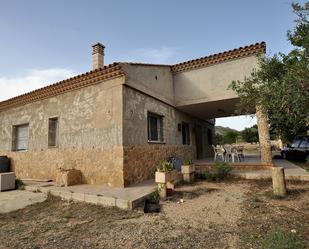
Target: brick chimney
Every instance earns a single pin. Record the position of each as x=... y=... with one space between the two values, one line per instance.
x=97 y=56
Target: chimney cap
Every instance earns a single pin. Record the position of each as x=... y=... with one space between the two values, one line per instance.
x=98 y=44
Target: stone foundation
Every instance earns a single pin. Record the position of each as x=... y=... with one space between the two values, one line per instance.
x=97 y=166
x=140 y=162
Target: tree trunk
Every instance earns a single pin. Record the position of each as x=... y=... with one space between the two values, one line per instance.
x=264 y=138
x=278 y=177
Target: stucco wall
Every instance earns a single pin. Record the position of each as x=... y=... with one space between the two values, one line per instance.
x=156 y=81
x=211 y=83
x=90 y=134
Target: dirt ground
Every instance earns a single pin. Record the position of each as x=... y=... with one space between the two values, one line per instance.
x=233 y=214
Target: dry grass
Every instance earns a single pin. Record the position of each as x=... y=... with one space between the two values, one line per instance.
x=234 y=214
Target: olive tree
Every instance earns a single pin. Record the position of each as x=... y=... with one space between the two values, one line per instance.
x=281 y=83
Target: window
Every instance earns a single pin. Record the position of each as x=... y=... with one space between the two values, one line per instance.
x=20 y=137
x=155 y=127
x=209 y=136
x=53 y=132
x=304 y=144
x=295 y=144
x=185 y=133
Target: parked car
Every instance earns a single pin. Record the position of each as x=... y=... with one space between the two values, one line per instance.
x=298 y=150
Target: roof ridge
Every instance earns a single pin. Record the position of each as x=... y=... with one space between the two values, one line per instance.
x=145 y=64
x=240 y=52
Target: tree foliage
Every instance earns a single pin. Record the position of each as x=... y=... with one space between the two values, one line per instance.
x=250 y=135
x=281 y=83
x=228 y=137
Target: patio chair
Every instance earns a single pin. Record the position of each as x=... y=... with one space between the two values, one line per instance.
x=230 y=153
x=234 y=154
x=240 y=152
x=219 y=152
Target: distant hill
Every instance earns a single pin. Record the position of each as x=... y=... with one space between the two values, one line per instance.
x=222 y=130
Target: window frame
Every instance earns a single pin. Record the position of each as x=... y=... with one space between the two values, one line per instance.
x=14 y=138
x=160 y=129
x=56 y=133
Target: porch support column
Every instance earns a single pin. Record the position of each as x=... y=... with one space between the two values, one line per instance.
x=264 y=138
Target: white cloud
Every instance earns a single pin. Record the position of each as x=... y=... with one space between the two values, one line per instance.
x=238 y=122
x=33 y=79
x=163 y=55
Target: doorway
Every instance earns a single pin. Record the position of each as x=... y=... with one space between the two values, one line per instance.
x=199 y=141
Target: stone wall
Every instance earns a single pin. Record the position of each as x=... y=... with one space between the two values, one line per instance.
x=141 y=157
x=140 y=162
x=97 y=166
x=90 y=134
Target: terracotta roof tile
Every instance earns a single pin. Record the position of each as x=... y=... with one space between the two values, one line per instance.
x=89 y=78
x=258 y=48
x=114 y=70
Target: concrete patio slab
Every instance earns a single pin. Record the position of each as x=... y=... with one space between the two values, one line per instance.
x=125 y=198
x=18 y=199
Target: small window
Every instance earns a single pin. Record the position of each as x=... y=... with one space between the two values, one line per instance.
x=53 y=132
x=155 y=127
x=185 y=133
x=209 y=136
x=20 y=137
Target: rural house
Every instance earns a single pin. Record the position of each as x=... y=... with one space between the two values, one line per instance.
x=116 y=122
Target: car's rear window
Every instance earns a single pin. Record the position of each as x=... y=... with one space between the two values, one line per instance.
x=296 y=143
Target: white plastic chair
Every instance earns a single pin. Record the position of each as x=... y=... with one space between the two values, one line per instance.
x=230 y=152
x=219 y=152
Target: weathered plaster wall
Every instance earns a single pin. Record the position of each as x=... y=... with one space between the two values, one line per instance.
x=156 y=81
x=90 y=134
x=211 y=83
x=140 y=157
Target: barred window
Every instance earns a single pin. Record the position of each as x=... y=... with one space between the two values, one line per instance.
x=155 y=127
x=185 y=128
x=53 y=132
x=20 y=137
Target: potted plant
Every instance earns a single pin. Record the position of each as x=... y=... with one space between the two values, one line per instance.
x=188 y=170
x=165 y=175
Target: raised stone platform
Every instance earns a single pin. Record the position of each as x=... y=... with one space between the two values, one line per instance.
x=124 y=198
x=252 y=169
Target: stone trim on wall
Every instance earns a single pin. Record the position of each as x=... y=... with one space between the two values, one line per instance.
x=140 y=162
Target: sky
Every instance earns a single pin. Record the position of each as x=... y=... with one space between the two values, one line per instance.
x=44 y=41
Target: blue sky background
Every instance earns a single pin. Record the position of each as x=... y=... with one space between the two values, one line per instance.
x=45 y=41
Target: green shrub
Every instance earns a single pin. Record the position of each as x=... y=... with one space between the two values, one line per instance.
x=165 y=166
x=209 y=176
x=255 y=198
x=220 y=171
x=188 y=162
x=282 y=240
x=19 y=184
x=155 y=194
